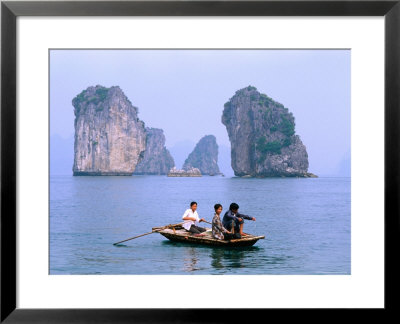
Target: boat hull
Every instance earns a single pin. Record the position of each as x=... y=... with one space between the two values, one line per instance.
x=186 y=237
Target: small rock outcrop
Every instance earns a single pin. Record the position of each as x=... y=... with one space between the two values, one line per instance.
x=109 y=137
x=190 y=172
x=156 y=158
x=262 y=136
x=204 y=156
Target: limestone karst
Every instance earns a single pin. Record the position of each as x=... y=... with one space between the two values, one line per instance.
x=263 y=138
x=204 y=156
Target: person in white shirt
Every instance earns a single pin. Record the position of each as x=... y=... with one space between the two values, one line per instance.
x=191 y=220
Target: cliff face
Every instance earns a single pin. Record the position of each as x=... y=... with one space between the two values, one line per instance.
x=109 y=137
x=204 y=156
x=156 y=158
x=262 y=136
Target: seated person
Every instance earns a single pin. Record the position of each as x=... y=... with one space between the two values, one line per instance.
x=219 y=232
x=191 y=220
x=233 y=218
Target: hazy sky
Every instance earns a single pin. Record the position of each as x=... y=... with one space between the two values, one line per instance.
x=184 y=91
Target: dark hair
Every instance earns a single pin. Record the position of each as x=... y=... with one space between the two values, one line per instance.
x=216 y=206
x=193 y=203
x=234 y=206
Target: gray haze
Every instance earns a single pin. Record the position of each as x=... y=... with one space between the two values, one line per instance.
x=184 y=91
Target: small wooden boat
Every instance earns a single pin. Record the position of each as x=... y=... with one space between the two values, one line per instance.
x=177 y=233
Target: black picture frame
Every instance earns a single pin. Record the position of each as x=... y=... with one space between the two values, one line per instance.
x=10 y=10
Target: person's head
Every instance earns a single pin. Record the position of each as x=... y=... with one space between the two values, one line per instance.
x=193 y=205
x=218 y=208
x=234 y=207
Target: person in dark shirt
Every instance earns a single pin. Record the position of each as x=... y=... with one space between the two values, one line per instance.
x=233 y=218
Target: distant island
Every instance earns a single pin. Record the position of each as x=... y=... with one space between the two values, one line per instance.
x=109 y=136
x=190 y=172
x=110 y=139
x=263 y=138
x=204 y=156
x=156 y=158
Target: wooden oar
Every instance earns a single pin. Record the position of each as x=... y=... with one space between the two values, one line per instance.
x=153 y=231
x=132 y=238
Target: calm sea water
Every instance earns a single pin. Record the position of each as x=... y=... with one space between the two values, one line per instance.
x=306 y=223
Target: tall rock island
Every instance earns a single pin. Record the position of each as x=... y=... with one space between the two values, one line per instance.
x=109 y=137
x=262 y=136
x=204 y=156
x=156 y=158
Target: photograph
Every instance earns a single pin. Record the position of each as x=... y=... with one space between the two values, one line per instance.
x=199 y=162
x=224 y=141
